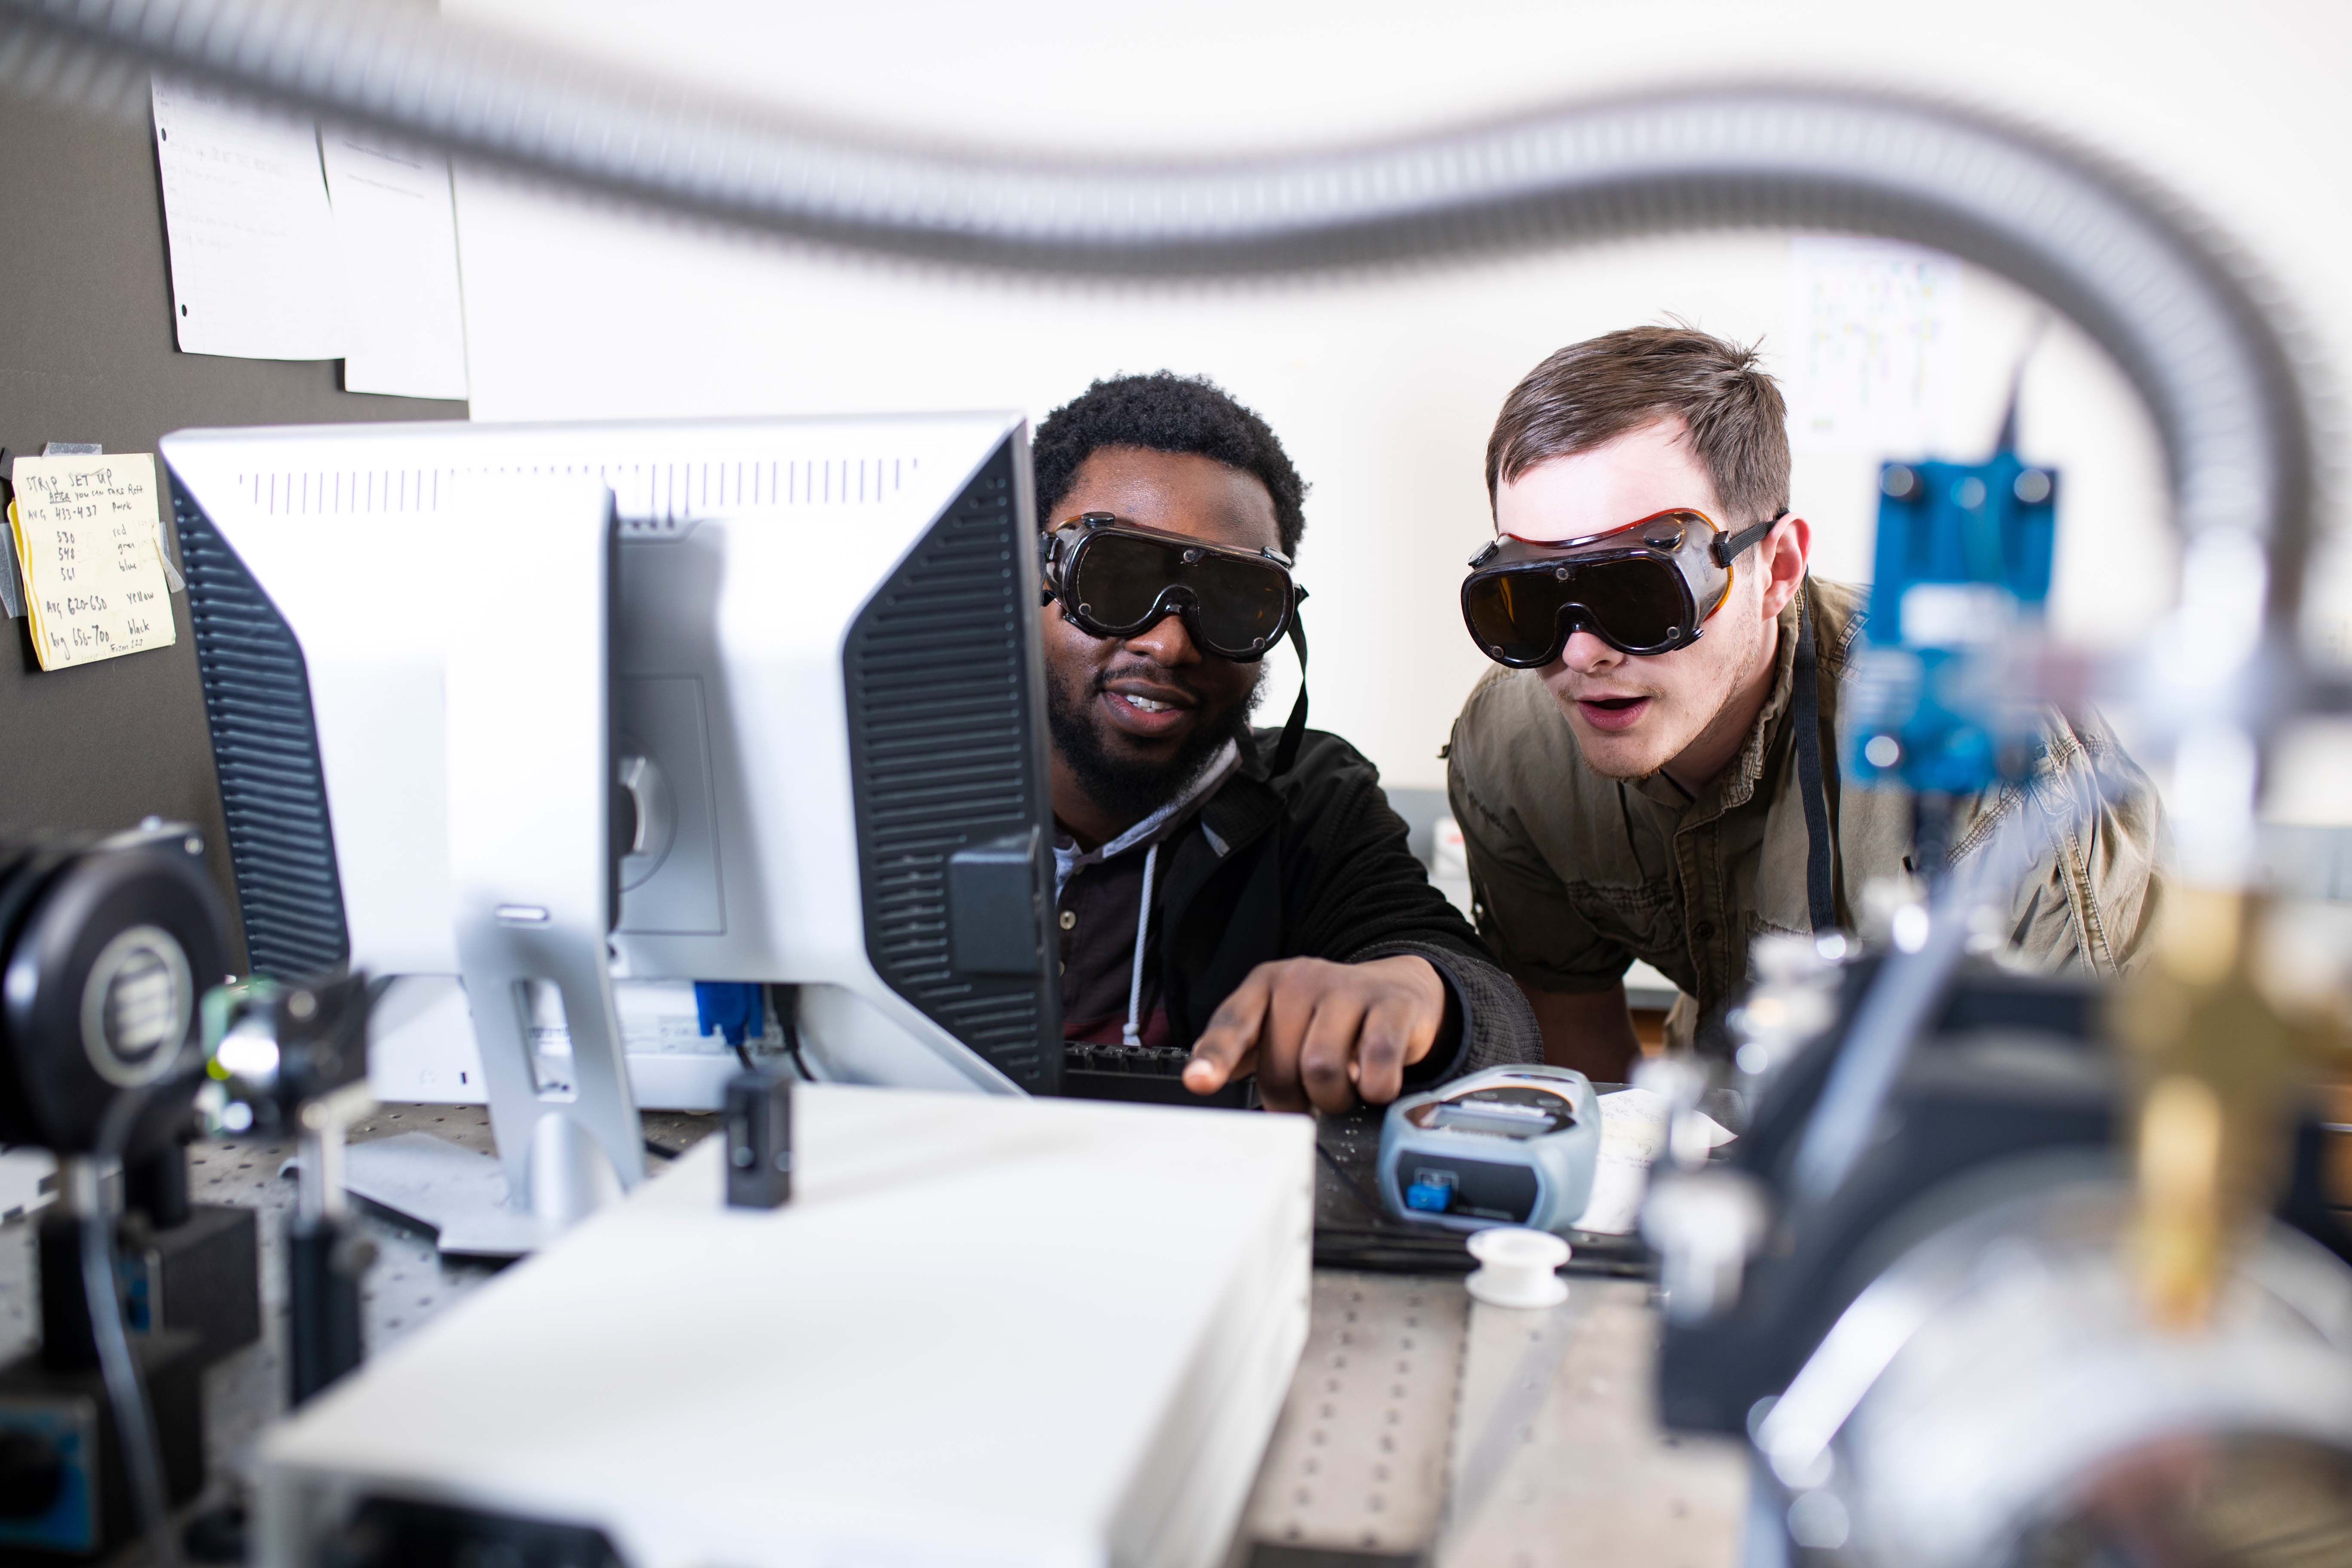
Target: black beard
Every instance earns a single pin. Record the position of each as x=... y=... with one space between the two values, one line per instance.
x=1131 y=791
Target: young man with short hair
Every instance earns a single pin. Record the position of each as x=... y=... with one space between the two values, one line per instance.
x=1244 y=896
x=1633 y=792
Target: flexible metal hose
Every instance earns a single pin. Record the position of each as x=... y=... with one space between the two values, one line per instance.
x=2183 y=320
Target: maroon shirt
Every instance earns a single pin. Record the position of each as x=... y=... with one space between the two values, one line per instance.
x=1099 y=905
x=1101 y=901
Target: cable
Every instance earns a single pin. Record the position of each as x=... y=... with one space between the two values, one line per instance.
x=1363 y=1196
x=135 y=1421
x=786 y=1000
x=2006 y=439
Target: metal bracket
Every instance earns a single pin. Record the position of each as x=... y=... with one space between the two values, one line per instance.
x=531 y=770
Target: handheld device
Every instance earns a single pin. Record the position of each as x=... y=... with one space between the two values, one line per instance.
x=1512 y=1145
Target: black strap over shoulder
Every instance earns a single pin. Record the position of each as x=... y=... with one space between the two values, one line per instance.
x=1820 y=898
x=1293 y=728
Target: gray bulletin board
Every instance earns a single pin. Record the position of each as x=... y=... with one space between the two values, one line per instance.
x=87 y=354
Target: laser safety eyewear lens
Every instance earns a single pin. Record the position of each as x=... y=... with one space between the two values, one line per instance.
x=1116 y=579
x=1644 y=588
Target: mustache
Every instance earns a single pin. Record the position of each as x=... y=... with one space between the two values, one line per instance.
x=1577 y=691
x=1144 y=668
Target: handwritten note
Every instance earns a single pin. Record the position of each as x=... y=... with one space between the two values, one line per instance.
x=398 y=231
x=256 y=273
x=85 y=532
x=1872 y=330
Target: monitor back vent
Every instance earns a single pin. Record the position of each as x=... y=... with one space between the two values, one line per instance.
x=943 y=684
x=256 y=694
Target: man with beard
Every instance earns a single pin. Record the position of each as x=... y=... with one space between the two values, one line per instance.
x=1633 y=786
x=1235 y=905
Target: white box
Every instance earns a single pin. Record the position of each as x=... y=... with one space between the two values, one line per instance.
x=985 y=1332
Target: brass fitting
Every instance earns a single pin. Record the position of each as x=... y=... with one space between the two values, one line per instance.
x=2223 y=1033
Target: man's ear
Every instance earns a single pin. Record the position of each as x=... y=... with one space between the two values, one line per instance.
x=1781 y=557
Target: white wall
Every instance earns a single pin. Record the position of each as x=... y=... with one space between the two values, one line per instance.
x=1383 y=386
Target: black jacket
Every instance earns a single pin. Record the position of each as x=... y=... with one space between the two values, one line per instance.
x=1314 y=864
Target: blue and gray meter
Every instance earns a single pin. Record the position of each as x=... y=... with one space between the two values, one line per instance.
x=1512 y=1145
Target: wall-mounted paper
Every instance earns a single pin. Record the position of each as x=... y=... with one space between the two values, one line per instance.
x=85 y=532
x=256 y=273
x=398 y=234
x=1872 y=331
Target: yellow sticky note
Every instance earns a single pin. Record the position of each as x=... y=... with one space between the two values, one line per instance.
x=87 y=543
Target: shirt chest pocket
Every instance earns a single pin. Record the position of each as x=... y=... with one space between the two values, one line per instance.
x=1760 y=925
x=1645 y=918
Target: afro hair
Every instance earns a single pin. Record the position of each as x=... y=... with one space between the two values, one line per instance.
x=1164 y=411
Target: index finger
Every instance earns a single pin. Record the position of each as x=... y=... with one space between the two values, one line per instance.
x=1228 y=1046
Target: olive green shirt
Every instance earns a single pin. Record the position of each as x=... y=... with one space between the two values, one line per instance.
x=1576 y=875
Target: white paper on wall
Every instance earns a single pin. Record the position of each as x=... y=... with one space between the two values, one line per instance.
x=254 y=270
x=1874 y=331
x=396 y=229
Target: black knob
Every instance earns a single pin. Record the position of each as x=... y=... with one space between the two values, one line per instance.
x=32 y=1475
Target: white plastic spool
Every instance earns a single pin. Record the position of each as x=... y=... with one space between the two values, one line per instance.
x=1516 y=1267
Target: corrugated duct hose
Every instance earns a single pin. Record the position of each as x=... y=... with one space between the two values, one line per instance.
x=2177 y=313
x=2190 y=326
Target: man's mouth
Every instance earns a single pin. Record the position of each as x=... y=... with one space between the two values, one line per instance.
x=1612 y=713
x=1146 y=713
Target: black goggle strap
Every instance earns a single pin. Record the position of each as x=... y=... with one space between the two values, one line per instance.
x=1293 y=728
x=1729 y=547
x=1048 y=584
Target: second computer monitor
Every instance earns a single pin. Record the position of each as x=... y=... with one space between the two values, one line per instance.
x=827 y=724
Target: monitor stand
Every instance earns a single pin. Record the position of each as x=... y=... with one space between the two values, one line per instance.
x=531 y=780
x=554 y=1164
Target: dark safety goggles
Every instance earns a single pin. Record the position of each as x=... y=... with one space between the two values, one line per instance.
x=1645 y=588
x=1116 y=580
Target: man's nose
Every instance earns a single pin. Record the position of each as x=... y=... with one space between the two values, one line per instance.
x=1588 y=655
x=1165 y=641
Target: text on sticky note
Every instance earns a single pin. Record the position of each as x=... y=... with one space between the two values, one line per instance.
x=87 y=541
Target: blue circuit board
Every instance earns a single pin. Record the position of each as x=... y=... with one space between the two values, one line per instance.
x=1962 y=578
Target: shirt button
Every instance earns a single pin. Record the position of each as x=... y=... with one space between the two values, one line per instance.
x=1704 y=930
x=1069 y=918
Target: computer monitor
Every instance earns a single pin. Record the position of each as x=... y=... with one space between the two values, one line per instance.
x=826 y=720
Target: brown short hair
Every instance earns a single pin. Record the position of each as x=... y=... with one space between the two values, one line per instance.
x=1594 y=391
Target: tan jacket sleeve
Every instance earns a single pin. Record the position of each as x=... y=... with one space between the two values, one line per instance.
x=2090 y=901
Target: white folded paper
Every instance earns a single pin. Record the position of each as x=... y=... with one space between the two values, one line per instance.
x=1632 y=1136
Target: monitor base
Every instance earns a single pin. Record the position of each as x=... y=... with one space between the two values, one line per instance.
x=434 y=1184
